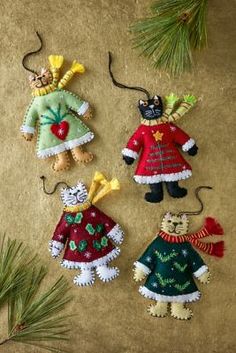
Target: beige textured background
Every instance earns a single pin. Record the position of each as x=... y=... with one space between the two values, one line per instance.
x=112 y=318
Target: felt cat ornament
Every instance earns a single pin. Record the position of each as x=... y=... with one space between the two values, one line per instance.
x=170 y=263
x=155 y=142
x=88 y=235
x=55 y=112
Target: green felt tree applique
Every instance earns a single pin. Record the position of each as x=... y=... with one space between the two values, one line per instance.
x=165 y=258
x=59 y=127
x=182 y=287
x=180 y=267
x=164 y=281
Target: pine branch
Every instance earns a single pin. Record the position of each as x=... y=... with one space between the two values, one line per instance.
x=168 y=37
x=33 y=316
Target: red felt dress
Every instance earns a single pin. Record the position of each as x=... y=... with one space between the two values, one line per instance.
x=159 y=159
x=89 y=237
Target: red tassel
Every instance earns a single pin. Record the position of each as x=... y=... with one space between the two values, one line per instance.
x=218 y=249
x=213 y=227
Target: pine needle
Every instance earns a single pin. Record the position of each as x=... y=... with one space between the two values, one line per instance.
x=34 y=316
x=14 y=260
x=168 y=37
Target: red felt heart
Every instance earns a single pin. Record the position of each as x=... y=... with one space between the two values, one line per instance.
x=60 y=130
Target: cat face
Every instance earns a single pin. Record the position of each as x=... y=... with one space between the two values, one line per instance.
x=151 y=108
x=174 y=224
x=41 y=80
x=75 y=195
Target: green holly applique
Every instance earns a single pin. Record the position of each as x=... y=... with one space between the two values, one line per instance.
x=104 y=241
x=179 y=267
x=78 y=217
x=72 y=245
x=97 y=245
x=90 y=229
x=82 y=246
x=69 y=219
x=72 y=220
x=99 y=228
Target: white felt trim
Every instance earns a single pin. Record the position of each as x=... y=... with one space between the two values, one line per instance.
x=28 y=129
x=200 y=271
x=189 y=144
x=84 y=107
x=116 y=234
x=85 y=278
x=142 y=179
x=142 y=267
x=107 y=274
x=191 y=297
x=56 y=244
x=129 y=153
x=68 y=145
x=88 y=265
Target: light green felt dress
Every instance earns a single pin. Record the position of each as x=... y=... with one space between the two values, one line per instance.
x=58 y=128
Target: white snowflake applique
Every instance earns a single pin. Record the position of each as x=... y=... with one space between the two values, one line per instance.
x=87 y=254
x=148 y=259
x=185 y=252
x=135 y=142
x=173 y=128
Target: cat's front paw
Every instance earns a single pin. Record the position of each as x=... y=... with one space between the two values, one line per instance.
x=139 y=274
x=27 y=136
x=55 y=248
x=128 y=160
x=193 y=150
x=88 y=114
x=205 y=277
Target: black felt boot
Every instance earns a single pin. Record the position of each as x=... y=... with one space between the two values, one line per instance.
x=156 y=194
x=174 y=190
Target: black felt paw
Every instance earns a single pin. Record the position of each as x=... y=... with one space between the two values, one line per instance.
x=128 y=160
x=153 y=197
x=175 y=191
x=193 y=150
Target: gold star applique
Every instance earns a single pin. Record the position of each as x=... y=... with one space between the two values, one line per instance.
x=158 y=135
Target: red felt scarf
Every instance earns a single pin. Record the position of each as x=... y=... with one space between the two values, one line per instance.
x=211 y=226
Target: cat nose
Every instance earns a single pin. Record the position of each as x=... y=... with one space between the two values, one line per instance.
x=175 y=223
x=151 y=106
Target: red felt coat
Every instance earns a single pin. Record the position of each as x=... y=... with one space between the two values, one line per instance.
x=87 y=239
x=159 y=158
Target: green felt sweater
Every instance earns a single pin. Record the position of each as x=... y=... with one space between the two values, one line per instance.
x=58 y=128
x=171 y=268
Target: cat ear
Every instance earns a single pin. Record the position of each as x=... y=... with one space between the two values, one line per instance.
x=168 y=215
x=141 y=102
x=32 y=77
x=43 y=70
x=184 y=217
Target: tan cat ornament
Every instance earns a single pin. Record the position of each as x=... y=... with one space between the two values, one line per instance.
x=170 y=264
